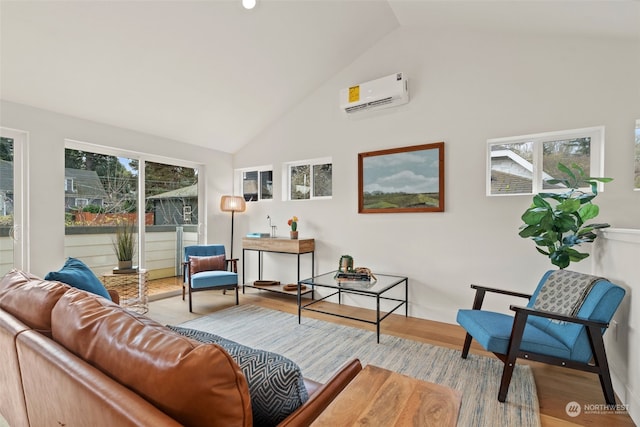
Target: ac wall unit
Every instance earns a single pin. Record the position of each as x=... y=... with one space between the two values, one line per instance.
x=385 y=92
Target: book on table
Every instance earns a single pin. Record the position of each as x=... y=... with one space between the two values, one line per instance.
x=351 y=277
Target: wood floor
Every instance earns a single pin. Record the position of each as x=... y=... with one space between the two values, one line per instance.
x=556 y=386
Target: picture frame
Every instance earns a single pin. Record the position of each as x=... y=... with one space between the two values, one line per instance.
x=405 y=179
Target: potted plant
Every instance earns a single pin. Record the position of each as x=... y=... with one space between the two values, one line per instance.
x=124 y=244
x=293 y=223
x=556 y=221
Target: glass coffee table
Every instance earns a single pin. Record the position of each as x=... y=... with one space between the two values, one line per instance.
x=374 y=288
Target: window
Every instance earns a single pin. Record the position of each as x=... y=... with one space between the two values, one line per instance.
x=309 y=179
x=637 y=170
x=524 y=164
x=68 y=185
x=113 y=187
x=256 y=183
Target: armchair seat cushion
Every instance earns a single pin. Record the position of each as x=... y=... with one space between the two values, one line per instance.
x=208 y=279
x=276 y=385
x=493 y=330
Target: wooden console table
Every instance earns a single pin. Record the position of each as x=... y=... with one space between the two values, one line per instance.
x=379 y=397
x=283 y=246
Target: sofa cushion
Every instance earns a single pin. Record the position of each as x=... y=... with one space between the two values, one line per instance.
x=206 y=263
x=276 y=384
x=197 y=384
x=76 y=273
x=30 y=299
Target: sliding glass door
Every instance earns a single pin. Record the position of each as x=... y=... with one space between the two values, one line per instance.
x=106 y=188
x=13 y=227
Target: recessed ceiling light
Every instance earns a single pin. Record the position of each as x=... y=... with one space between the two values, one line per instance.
x=249 y=4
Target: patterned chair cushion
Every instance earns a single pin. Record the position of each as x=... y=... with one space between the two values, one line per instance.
x=206 y=263
x=276 y=385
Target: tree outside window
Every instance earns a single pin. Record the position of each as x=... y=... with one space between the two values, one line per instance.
x=256 y=184
x=309 y=179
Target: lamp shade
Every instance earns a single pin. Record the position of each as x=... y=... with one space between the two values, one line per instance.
x=232 y=204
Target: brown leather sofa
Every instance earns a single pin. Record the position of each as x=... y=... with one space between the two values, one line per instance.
x=71 y=358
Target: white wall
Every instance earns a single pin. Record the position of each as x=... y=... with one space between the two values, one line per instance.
x=465 y=89
x=617 y=257
x=47 y=134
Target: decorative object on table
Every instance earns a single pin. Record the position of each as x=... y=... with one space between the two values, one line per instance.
x=124 y=245
x=272 y=227
x=258 y=235
x=556 y=221
x=293 y=287
x=293 y=223
x=420 y=163
x=358 y=274
x=266 y=283
x=232 y=204
x=345 y=264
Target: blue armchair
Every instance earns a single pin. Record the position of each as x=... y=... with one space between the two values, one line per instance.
x=562 y=324
x=205 y=268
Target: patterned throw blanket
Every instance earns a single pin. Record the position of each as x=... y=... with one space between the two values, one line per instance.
x=564 y=292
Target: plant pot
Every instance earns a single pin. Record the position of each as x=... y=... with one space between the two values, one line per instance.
x=125 y=265
x=293 y=234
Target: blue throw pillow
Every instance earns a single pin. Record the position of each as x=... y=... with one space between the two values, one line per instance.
x=76 y=273
x=275 y=383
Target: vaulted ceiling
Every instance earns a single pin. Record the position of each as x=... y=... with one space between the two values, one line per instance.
x=211 y=73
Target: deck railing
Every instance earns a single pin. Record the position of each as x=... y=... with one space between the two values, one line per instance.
x=93 y=245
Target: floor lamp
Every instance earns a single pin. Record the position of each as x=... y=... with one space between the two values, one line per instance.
x=232 y=204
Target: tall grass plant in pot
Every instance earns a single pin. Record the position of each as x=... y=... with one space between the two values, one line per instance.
x=124 y=244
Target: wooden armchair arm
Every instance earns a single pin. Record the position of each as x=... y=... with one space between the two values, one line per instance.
x=482 y=290
x=318 y=401
x=527 y=311
x=234 y=264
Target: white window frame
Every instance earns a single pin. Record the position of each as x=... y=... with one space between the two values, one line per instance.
x=239 y=181
x=596 y=155
x=635 y=147
x=286 y=178
x=142 y=158
x=69 y=185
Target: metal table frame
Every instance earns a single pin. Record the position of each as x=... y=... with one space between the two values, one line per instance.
x=275 y=246
x=326 y=281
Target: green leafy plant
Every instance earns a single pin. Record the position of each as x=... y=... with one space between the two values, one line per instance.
x=124 y=242
x=556 y=222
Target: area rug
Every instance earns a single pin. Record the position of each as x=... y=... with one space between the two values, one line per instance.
x=320 y=347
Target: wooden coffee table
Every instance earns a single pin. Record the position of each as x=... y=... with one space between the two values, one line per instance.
x=379 y=397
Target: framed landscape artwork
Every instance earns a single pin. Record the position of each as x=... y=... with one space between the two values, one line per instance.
x=407 y=179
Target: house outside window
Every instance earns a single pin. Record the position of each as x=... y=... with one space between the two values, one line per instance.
x=524 y=164
x=308 y=179
x=81 y=203
x=256 y=183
